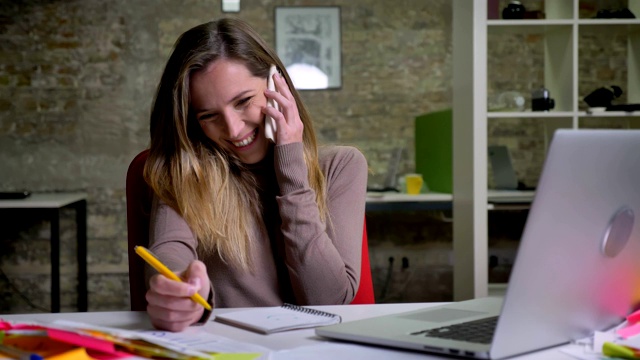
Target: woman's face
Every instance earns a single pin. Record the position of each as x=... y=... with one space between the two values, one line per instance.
x=228 y=103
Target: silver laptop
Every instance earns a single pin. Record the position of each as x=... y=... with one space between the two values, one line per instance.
x=577 y=268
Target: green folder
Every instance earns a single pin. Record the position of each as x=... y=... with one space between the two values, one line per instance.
x=433 y=140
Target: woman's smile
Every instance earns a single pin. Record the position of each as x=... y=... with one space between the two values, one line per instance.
x=246 y=141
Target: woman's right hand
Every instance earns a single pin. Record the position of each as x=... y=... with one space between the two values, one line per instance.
x=169 y=302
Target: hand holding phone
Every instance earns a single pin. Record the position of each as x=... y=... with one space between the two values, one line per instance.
x=270 y=127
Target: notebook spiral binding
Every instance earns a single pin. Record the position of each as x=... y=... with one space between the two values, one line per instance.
x=310 y=311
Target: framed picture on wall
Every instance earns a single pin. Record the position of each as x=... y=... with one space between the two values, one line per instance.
x=308 y=42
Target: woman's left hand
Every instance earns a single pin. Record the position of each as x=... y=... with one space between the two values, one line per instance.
x=289 y=126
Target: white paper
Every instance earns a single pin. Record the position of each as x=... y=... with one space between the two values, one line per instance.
x=278 y=318
x=203 y=341
x=599 y=338
x=336 y=351
x=590 y=347
x=581 y=353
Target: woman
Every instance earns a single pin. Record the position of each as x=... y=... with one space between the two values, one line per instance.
x=244 y=221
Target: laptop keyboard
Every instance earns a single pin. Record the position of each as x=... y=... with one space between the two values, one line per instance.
x=477 y=331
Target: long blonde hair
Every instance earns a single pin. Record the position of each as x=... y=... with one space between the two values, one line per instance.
x=202 y=182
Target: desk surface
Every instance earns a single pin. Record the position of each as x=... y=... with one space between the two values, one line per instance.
x=500 y=196
x=496 y=199
x=292 y=341
x=43 y=201
x=383 y=197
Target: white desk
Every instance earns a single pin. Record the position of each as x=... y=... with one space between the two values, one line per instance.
x=279 y=341
x=391 y=201
x=496 y=199
x=50 y=205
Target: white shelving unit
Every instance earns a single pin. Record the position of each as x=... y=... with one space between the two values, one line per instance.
x=561 y=31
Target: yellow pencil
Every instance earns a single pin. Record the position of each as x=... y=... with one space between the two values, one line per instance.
x=153 y=261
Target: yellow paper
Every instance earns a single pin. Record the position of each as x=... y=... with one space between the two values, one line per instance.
x=75 y=354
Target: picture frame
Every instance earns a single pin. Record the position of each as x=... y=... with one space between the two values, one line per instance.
x=308 y=41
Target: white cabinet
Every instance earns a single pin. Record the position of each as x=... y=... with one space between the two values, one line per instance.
x=560 y=63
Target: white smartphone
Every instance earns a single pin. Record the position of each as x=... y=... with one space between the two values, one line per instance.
x=270 y=127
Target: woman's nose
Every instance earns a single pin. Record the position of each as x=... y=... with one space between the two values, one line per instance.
x=234 y=125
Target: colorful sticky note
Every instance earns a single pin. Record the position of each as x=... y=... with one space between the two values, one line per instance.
x=629 y=331
x=75 y=354
x=40 y=345
x=87 y=342
x=633 y=317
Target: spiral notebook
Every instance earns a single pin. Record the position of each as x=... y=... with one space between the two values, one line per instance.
x=267 y=320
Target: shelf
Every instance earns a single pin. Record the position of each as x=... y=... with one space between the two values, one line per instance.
x=533 y=23
x=614 y=27
x=529 y=114
x=609 y=114
x=525 y=26
x=559 y=114
x=496 y=27
x=546 y=51
x=608 y=22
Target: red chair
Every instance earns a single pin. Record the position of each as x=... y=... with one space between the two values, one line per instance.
x=365 y=289
x=139 y=196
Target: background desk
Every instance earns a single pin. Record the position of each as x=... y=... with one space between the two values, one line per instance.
x=496 y=200
x=390 y=201
x=50 y=204
x=278 y=341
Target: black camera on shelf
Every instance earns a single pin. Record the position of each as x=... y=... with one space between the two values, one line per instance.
x=541 y=100
x=514 y=11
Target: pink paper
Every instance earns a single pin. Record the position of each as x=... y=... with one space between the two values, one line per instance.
x=634 y=317
x=629 y=331
x=87 y=342
x=5 y=325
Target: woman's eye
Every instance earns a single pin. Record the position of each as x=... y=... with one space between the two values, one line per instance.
x=206 y=117
x=243 y=102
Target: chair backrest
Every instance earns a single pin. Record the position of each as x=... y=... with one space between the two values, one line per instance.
x=139 y=196
x=365 y=294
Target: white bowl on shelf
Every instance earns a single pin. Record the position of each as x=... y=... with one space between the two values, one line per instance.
x=593 y=110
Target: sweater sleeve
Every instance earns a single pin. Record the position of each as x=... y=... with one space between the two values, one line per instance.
x=323 y=259
x=170 y=238
x=173 y=243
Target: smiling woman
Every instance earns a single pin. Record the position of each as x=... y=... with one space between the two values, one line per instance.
x=245 y=221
